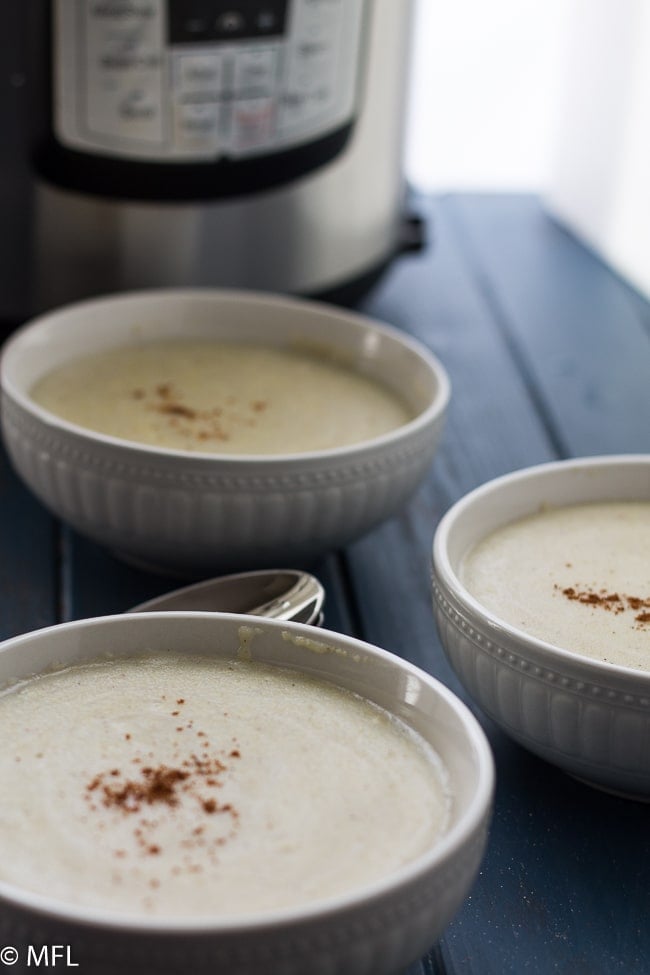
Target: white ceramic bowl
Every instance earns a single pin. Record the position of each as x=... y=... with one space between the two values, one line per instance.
x=374 y=930
x=199 y=513
x=588 y=717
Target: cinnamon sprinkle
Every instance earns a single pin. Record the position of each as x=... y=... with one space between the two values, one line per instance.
x=196 y=424
x=177 y=409
x=157 y=785
x=612 y=602
x=166 y=785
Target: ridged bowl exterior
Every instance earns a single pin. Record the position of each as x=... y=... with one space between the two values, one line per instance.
x=187 y=516
x=588 y=718
x=370 y=939
x=377 y=930
x=197 y=514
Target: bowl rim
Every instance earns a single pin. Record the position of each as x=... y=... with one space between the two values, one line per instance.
x=592 y=667
x=421 y=421
x=476 y=813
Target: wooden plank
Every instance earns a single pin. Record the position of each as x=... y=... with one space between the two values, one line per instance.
x=493 y=427
x=559 y=890
x=28 y=566
x=96 y=583
x=578 y=331
x=434 y=297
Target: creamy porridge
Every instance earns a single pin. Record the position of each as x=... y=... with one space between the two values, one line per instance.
x=189 y=786
x=203 y=395
x=576 y=576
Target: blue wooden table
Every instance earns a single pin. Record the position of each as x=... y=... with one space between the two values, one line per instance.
x=549 y=356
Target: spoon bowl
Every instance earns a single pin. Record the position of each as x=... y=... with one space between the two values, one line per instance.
x=282 y=594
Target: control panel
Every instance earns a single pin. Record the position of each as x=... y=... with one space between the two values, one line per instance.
x=197 y=81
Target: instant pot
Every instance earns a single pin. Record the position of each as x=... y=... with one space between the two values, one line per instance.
x=253 y=144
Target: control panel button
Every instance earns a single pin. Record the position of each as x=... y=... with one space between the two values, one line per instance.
x=200 y=73
x=231 y=23
x=197 y=126
x=253 y=123
x=255 y=71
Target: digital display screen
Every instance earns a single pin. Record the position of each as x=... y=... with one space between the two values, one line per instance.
x=198 y=21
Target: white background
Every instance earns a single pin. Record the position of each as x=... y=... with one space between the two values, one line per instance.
x=485 y=79
x=543 y=96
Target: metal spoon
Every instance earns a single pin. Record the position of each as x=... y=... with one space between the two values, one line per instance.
x=282 y=594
